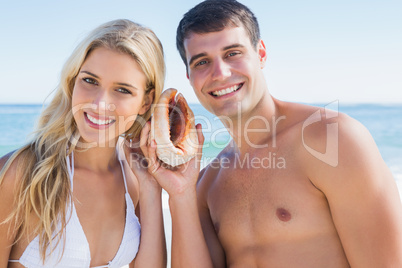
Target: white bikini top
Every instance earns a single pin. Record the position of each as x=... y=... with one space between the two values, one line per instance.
x=76 y=251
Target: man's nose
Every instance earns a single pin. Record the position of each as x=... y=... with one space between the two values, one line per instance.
x=221 y=70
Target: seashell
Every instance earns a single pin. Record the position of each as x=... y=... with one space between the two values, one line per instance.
x=173 y=129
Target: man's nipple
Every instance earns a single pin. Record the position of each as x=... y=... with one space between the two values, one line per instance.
x=283 y=214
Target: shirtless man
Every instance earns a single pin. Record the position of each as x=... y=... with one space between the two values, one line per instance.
x=299 y=186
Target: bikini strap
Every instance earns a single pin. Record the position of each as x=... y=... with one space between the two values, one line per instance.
x=124 y=175
x=70 y=168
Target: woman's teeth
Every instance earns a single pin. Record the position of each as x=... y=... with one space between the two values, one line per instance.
x=99 y=122
x=226 y=91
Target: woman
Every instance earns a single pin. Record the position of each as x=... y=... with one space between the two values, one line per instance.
x=67 y=198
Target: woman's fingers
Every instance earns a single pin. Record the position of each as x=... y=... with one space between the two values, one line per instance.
x=200 y=145
x=181 y=175
x=153 y=163
x=144 y=138
x=194 y=164
x=200 y=136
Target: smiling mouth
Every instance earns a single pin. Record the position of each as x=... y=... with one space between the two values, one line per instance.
x=223 y=92
x=99 y=122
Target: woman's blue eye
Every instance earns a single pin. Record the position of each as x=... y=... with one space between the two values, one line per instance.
x=90 y=81
x=123 y=90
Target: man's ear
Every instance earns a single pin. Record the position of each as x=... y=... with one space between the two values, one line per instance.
x=147 y=102
x=262 y=53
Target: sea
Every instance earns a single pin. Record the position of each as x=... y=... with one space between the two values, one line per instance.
x=384 y=122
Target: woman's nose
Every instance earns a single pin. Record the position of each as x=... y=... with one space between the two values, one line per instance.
x=102 y=101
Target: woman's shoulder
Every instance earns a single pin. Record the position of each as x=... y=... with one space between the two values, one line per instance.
x=7 y=203
x=9 y=171
x=9 y=163
x=8 y=181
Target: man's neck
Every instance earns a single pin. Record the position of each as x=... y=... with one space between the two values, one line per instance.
x=256 y=128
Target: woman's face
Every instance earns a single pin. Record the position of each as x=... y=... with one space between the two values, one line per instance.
x=108 y=94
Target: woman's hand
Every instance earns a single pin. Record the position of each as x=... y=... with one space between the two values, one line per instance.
x=138 y=162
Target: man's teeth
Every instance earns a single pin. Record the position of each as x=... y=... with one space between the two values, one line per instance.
x=99 y=122
x=225 y=91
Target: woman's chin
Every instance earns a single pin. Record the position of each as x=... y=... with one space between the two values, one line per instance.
x=101 y=142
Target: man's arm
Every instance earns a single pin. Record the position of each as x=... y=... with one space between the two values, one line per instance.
x=362 y=196
x=214 y=246
x=194 y=241
x=189 y=248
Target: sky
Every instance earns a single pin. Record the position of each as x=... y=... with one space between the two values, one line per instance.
x=318 y=51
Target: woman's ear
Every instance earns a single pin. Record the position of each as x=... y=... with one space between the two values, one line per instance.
x=147 y=102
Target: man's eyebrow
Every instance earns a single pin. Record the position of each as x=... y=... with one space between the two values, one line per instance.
x=233 y=46
x=200 y=55
x=195 y=57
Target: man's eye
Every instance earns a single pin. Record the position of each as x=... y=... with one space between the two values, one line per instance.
x=90 y=81
x=201 y=63
x=232 y=54
x=123 y=90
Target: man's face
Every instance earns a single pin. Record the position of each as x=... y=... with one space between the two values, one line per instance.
x=224 y=70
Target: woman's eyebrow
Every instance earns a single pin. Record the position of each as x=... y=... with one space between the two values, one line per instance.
x=120 y=84
x=94 y=75
x=127 y=85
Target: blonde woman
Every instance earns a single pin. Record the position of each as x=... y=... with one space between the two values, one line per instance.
x=67 y=199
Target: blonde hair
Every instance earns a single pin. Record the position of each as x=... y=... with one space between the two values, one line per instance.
x=44 y=186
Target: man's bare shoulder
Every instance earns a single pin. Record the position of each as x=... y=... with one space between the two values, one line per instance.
x=314 y=125
x=296 y=118
x=330 y=143
x=326 y=129
x=334 y=145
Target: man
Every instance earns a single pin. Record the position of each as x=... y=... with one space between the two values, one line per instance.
x=328 y=200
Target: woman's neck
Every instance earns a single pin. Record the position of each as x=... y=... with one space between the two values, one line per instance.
x=97 y=159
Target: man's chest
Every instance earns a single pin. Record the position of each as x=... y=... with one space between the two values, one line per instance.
x=251 y=206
